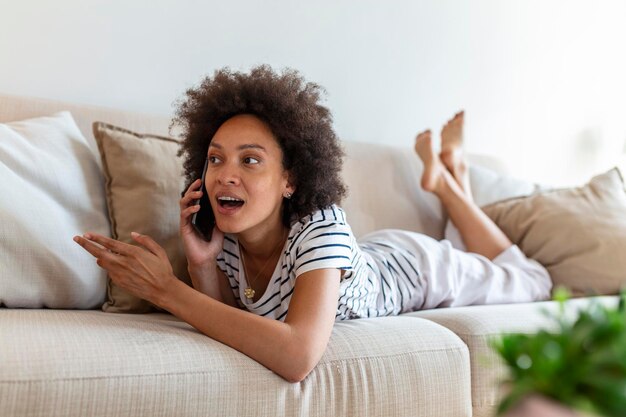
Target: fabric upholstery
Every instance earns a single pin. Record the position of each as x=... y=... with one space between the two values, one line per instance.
x=13 y=108
x=51 y=191
x=382 y=179
x=397 y=169
x=75 y=363
x=477 y=326
x=143 y=182
x=98 y=364
x=489 y=186
x=578 y=234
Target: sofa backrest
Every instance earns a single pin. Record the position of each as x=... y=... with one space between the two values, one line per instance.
x=13 y=108
x=383 y=181
x=384 y=191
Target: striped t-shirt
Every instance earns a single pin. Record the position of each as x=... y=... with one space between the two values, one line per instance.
x=378 y=281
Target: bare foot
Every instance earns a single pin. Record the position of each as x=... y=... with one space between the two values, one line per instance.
x=434 y=170
x=452 y=151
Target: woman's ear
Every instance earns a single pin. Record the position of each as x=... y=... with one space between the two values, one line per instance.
x=289 y=190
x=289 y=187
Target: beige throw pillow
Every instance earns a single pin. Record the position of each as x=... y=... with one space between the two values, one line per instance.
x=578 y=234
x=143 y=178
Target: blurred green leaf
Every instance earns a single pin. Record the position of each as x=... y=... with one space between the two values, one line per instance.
x=582 y=365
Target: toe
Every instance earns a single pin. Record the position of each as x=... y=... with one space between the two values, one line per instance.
x=422 y=136
x=424 y=133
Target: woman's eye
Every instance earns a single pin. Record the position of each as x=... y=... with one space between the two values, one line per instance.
x=250 y=160
x=213 y=160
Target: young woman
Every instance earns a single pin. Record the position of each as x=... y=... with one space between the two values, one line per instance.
x=282 y=263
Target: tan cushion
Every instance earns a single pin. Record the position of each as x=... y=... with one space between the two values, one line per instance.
x=50 y=190
x=77 y=363
x=578 y=234
x=143 y=178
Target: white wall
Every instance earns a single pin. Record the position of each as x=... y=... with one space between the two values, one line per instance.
x=543 y=82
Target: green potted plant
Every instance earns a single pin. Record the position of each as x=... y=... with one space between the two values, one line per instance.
x=581 y=366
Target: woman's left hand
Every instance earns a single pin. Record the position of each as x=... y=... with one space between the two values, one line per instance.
x=145 y=271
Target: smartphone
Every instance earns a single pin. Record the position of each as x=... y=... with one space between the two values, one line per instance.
x=203 y=220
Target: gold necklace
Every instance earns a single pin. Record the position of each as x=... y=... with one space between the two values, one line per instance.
x=249 y=291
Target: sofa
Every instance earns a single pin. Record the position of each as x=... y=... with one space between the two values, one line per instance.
x=83 y=361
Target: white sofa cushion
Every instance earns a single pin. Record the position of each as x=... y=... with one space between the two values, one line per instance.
x=156 y=365
x=478 y=326
x=52 y=189
x=489 y=186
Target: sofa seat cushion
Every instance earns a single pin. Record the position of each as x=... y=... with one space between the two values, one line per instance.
x=77 y=363
x=477 y=326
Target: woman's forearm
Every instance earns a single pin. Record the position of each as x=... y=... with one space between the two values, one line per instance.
x=272 y=343
x=211 y=281
x=205 y=280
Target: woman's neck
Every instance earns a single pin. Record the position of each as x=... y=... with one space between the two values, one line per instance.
x=261 y=246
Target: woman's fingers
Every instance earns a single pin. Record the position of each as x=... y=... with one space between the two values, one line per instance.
x=144 y=270
x=113 y=245
x=192 y=193
x=185 y=216
x=92 y=248
x=150 y=244
x=191 y=196
x=106 y=249
x=193 y=187
x=109 y=245
x=185 y=213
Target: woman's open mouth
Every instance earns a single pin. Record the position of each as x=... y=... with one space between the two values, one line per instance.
x=228 y=205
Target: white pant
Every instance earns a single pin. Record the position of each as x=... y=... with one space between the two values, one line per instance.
x=451 y=277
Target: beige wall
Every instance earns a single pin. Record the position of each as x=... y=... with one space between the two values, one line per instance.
x=542 y=81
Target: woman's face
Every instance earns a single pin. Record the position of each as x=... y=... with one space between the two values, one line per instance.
x=245 y=179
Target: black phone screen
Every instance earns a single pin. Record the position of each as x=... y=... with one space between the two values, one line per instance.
x=204 y=220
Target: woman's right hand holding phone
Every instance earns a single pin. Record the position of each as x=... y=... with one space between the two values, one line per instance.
x=200 y=252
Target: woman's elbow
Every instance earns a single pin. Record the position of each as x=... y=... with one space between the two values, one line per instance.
x=296 y=377
x=299 y=366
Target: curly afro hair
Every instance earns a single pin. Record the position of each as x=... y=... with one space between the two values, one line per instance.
x=290 y=107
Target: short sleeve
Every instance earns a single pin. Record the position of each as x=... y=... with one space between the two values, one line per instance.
x=324 y=244
x=221 y=263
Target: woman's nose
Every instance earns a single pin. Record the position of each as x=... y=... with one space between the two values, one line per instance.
x=228 y=175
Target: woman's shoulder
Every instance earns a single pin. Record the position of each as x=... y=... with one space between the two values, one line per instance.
x=332 y=213
x=328 y=219
x=322 y=236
